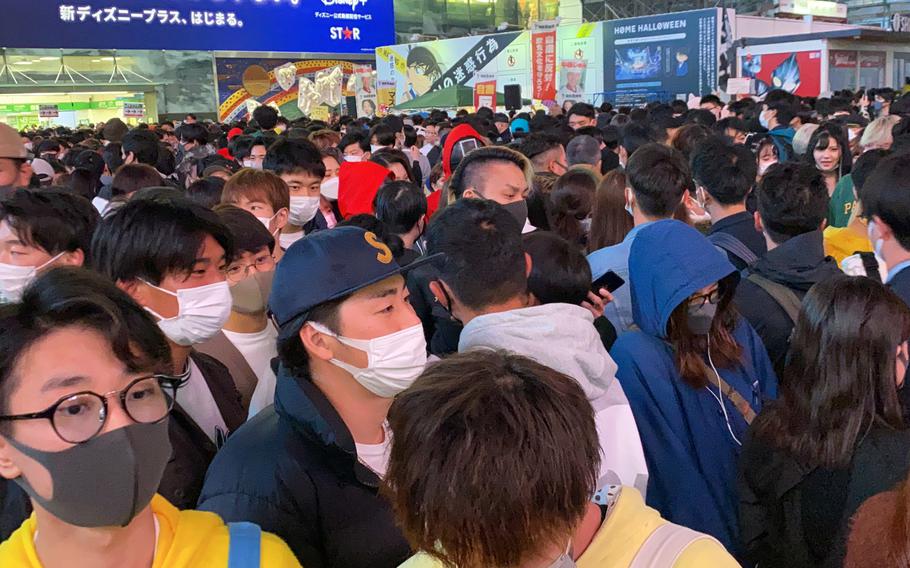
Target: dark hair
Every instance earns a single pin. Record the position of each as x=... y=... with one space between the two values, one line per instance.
x=112 y=154
x=786 y=111
x=827 y=400
x=727 y=172
x=865 y=166
x=470 y=169
x=372 y=224
x=167 y=161
x=56 y=221
x=83 y=182
x=730 y=123
x=291 y=352
x=358 y=137
x=571 y=202
x=75 y=297
x=388 y=156
x=712 y=99
x=400 y=205
x=824 y=135
x=538 y=199
x=537 y=147
x=151 y=238
x=517 y=443
x=206 y=191
x=133 y=177
x=886 y=195
x=384 y=135
x=422 y=58
x=483 y=262
x=688 y=137
x=610 y=223
x=143 y=144
x=241 y=146
x=635 y=135
x=194 y=132
x=581 y=109
x=266 y=117
x=701 y=117
x=560 y=273
x=294 y=156
x=658 y=176
x=792 y=200
x=247 y=232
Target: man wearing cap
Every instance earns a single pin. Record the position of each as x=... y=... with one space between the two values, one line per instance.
x=15 y=171
x=501 y=122
x=309 y=467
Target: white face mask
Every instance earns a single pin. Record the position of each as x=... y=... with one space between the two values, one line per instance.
x=763 y=120
x=267 y=221
x=375 y=147
x=329 y=188
x=303 y=209
x=356 y=158
x=14 y=279
x=762 y=168
x=877 y=244
x=201 y=313
x=394 y=361
x=256 y=165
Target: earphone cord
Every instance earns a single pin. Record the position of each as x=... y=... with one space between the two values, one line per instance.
x=719 y=396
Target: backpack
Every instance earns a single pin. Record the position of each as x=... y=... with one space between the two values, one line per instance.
x=245 y=544
x=785 y=297
x=730 y=244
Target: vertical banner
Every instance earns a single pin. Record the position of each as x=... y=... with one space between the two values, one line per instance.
x=543 y=59
x=385 y=96
x=485 y=90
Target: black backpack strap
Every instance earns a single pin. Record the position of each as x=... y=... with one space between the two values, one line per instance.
x=785 y=297
x=732 y=245
x=870 y=264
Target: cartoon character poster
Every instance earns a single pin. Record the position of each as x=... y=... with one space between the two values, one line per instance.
x=797 y=72
x=639 y=62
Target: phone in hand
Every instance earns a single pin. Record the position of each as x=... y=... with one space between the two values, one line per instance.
x=610 y=280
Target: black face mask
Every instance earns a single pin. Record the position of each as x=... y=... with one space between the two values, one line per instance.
x=518 y=210
x=448 y=305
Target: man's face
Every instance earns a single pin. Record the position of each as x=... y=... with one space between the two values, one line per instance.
x=209 y=268
x=247 y=263
x=577 y=121
x=12 y=172
x=714 y=108
x=14 y=251
x=431 y=134
x=504 y=183
x=354 y=150
x=302 y=184
x=572 y=79
x=257 y=155
x=189 y=120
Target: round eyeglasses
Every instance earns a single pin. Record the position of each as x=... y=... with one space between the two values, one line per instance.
x=79 y=417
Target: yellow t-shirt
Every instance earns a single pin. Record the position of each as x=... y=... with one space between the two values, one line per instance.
x=627 y=527
x=186 y=539
x=841 y=242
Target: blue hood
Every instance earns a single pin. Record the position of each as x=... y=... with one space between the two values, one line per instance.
x=669 y=262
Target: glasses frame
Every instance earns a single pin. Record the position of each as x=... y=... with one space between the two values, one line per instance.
x=712 y=297
x=247 y=268
x=164 y=381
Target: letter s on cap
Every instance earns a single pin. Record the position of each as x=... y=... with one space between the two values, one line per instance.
x=385 y=253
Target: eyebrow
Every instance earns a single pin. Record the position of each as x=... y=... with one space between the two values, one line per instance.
x=384 y=293
x=207 y=262
x=63 y=382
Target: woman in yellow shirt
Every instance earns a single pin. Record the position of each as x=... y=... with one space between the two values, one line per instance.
x=84 y=403
x=494 y=461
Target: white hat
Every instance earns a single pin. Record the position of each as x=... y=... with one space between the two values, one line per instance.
x=43 y=169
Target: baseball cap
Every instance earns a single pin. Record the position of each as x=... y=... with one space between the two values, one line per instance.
x=325 y=266
x=11 y=145
x=500 y=117
x=43 y=169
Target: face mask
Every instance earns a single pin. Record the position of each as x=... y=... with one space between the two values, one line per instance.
x=106 y=481
x=877 y=244
x=329 y=188
x=700 y=318
x=763 y=120
x=375 y=147
x=877 y=105
x=251 y=295
x=394 y=361
x=107 y=180
x=564 y=561
x=518 y=210
x=762 y=168
x=267 y=221
x=628 y=209
x=14 y=279
x=303 y=209
x=201 y=313
x=251 y=164
x=354 y=159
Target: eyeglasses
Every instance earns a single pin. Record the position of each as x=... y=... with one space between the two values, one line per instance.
x=237 y=272
x=711 y=297
x=77 y=418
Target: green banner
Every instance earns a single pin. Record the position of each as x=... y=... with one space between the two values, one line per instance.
x=66 y=107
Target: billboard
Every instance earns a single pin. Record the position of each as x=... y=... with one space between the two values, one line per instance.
x=665 y=55
x=797 y=72
x=322 y=26
x=418 y=68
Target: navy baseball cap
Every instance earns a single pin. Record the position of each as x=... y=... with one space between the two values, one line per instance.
x=328 y=265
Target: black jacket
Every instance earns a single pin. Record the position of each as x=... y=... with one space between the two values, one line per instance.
x=793 y=516
x=15 y=507
x=797 y=264
x=439 y=329
x=742 y=226
x=293 y=470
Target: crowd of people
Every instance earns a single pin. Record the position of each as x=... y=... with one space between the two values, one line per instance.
x=669 y=335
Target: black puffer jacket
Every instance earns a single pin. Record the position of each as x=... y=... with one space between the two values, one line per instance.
x=293 y=470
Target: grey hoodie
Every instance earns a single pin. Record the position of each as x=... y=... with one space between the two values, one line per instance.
x=563 y=337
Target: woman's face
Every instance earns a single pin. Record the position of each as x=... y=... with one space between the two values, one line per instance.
x=766 y=158
x=827 y=159
x=398 y=171
x=331 y=167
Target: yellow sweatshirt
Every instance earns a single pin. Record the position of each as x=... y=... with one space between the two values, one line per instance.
x=186 y=539
x=627 y=527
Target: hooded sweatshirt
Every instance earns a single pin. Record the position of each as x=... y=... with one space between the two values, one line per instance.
x=687 y=436
x=358 y=183
x=563 y=337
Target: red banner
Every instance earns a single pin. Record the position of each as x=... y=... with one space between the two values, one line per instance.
x=485 y=90
x=543 y=60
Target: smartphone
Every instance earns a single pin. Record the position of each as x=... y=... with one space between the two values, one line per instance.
x=610 y=280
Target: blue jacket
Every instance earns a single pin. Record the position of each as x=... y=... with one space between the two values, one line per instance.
x=782 y=136
x=690 y=452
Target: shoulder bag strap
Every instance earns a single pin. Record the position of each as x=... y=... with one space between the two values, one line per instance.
x=244 y=551
x=784 y=296
x=664 y=546
x=742 y=405
x=732 y=245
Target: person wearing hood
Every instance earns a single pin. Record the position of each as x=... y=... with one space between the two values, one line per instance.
x=792 y=205
x=246 y=343
x=776 y=116
x=483 y=283
x=309 y=467
x=658 y=177
x=695 y=374
x=455 y=146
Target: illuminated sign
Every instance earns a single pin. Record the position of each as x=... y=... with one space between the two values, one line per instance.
x=820 y=8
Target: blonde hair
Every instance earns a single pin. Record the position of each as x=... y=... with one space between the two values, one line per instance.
x=878 y=133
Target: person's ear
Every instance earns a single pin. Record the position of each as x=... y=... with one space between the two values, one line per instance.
x=630 y=197
x=470 y=193
x=758 y=224
x=8 y=469
x=528 y=265
x=438 y=293
x=882 y=228
x=74 y=258
x=135 y=290
x=281 y=219
x=316 y=343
